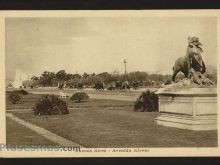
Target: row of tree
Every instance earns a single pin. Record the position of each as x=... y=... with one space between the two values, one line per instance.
x=61 y=77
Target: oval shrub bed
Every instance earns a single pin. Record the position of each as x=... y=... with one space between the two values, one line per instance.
x=50 y=105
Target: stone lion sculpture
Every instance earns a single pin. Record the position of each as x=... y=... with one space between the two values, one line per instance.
x=192 y=64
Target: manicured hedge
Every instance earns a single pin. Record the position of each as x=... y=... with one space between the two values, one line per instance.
x=79 y=96
x=147 y=101
x=50 y=105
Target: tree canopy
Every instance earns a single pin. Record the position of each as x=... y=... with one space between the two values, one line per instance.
x=48 y=78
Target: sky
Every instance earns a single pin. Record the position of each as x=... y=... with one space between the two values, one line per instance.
x=100 y=44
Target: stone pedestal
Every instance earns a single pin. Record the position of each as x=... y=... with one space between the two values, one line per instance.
x=188 y=108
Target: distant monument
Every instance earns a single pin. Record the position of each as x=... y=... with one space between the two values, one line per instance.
x=192 y=102
x=19 y=77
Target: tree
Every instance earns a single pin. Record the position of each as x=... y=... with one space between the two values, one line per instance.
x=137 y=76
x=105 y=77
x=69 y=76
x=61 y=76
x=35 y=78
x=85 y=75
x=46 y=78
x=72 y=82
x=93 y=74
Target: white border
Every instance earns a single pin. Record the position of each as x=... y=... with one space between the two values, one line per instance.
x=101 y=13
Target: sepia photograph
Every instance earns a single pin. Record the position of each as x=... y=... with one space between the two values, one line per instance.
x=110 y=84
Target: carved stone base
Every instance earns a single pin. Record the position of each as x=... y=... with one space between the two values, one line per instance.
x=193 y=108
x=197 y=123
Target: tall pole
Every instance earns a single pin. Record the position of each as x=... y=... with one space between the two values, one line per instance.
x=125 y=62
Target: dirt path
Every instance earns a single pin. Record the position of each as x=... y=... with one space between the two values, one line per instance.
x=45 y=133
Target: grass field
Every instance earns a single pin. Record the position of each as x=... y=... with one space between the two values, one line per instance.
x=104 y=123
x=19 y=135
x=118 y=127
x=89 y=91
x=28 y=101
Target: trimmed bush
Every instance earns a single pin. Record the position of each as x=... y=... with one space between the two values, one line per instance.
x=50 y=105
x=79 y=96
x=14 y=97
x=147 y=102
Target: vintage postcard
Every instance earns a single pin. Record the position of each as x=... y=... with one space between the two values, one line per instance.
x=109 y=83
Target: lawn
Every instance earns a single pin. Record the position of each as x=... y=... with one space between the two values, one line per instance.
x=104 y=123
x=89 y=91
x=28 y=101
x=17 y=134
x=118 y=127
